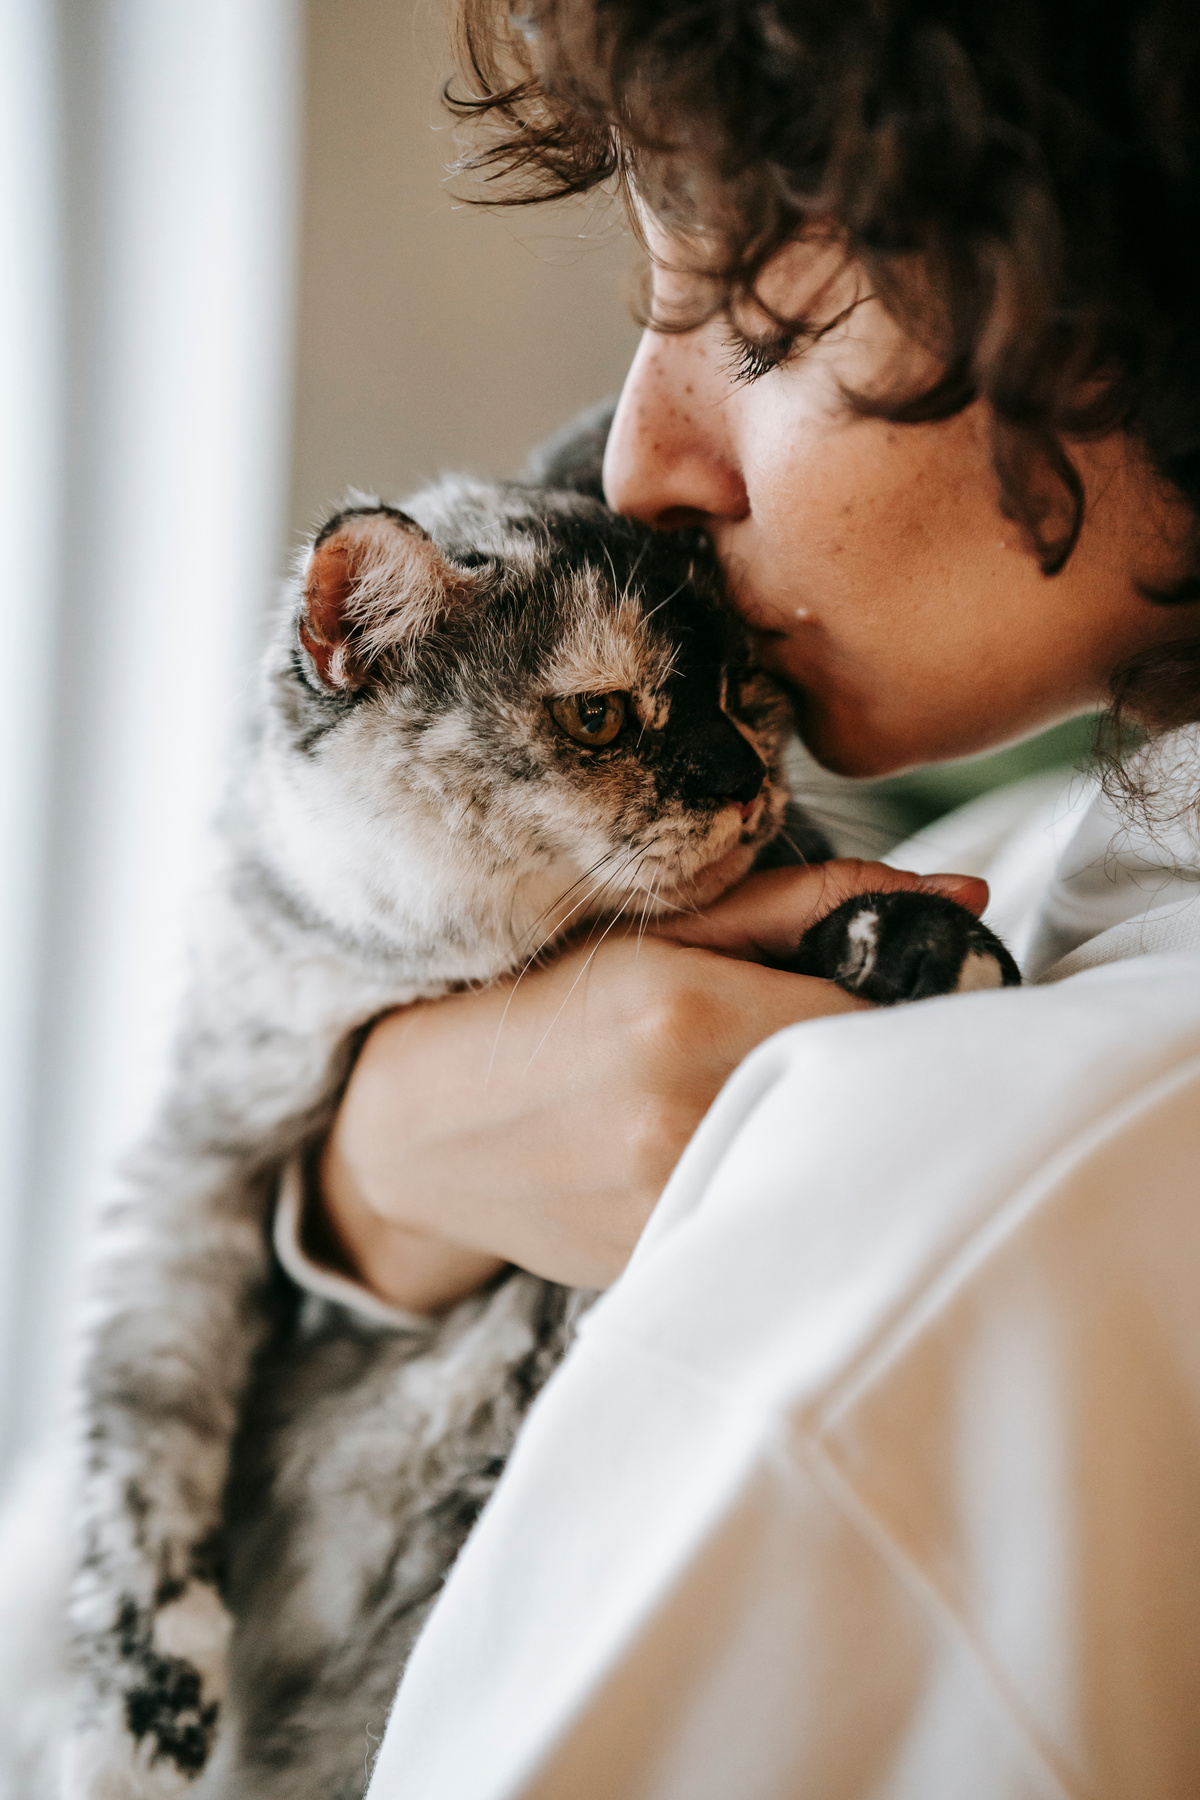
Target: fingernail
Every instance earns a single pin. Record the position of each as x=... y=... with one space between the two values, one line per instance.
x=970 y=890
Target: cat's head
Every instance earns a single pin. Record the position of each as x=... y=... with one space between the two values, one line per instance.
x=518 y=687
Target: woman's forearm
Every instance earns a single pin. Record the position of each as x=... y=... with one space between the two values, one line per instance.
x=536 y=1122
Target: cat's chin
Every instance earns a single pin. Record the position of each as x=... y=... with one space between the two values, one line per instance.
x=716 y=878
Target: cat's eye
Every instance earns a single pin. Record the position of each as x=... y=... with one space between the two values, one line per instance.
x=593 y=720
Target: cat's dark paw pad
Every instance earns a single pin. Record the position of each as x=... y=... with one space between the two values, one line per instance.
x=177 y=1658
x=888 y=948
x=102 y=1759
x=159 y=1675
x=167 y=1712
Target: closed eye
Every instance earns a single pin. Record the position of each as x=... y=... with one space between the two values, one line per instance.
x=751 y=357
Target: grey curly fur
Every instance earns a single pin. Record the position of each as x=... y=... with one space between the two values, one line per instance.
x=350 y=1496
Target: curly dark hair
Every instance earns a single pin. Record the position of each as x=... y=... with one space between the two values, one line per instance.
x=1032 y=167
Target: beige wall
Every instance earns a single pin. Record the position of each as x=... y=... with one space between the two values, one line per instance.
x=430 y=335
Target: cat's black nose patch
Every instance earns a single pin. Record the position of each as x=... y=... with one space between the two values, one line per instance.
x=725 y=767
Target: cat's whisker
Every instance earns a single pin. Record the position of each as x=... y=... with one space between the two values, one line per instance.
x=671 y=661
x=671 y=596
x=647 y=897
x=637 y=563
x=612 y=569
x=672 y=905
x=651 y=900
x=549 y=938
x=592 y=893
x=689 y=906
x=583 y=971
x=660 y=834
x=825 y=813
x=633 y=850
x=617 y=875
x=792 y=845
x=567 y=892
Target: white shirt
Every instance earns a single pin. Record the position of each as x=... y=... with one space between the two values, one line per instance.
x=877 y=1473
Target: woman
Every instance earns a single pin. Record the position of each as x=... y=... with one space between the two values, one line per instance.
x=879 y=1470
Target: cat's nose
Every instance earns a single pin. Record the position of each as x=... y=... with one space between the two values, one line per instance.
x=732 y=769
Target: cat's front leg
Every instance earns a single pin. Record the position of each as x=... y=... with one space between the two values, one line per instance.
x=172 y=1347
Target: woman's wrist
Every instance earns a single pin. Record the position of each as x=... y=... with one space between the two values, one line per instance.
x=405 y=1267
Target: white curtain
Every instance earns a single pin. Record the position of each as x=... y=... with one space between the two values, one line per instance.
x=148 y=173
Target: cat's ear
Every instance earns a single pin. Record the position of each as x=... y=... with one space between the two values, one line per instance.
x=374 y=582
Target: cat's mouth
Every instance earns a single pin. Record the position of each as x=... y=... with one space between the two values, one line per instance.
x=692 y=879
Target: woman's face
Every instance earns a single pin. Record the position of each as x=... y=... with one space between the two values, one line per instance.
x=872 y=560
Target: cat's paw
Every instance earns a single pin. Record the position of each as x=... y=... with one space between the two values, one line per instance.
x=907 y=945
x=103 y=1762
x=148 y=1723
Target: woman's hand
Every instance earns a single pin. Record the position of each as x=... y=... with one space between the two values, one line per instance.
x=537 y=1122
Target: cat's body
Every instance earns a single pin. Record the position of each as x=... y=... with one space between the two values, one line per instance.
x=363 y=1461
x=411 y=818
x=477 y=730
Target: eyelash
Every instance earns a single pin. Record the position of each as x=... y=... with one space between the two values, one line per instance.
x=752 y=358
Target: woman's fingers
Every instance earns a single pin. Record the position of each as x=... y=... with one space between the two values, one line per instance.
x=765 y=917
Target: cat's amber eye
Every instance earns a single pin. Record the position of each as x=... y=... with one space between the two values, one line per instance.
x=593 y=720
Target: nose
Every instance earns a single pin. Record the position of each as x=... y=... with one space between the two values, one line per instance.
x=671 y=457
x=728 y=768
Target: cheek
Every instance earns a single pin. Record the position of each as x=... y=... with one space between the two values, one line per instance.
x=605 y=804
x=884 y=559
x=915 y=620
x=874 y=517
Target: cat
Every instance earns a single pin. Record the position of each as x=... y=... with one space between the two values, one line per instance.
x=484 y=719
